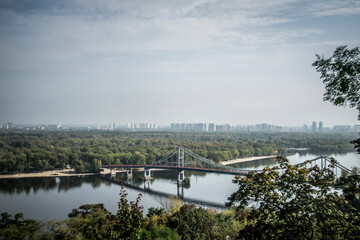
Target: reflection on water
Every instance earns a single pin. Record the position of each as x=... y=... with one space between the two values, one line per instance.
x=33 y=185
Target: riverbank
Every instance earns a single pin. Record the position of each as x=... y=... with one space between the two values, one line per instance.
x=51 y=173
x=249 y=159
x=62 y=173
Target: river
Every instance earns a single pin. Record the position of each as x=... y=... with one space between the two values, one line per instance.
x=55 y=197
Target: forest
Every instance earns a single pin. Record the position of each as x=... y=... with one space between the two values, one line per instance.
x=86 y=151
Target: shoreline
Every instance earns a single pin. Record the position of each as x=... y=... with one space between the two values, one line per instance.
x=249 y=159
x=71 y=172
x=50 y=173
x=58 y=173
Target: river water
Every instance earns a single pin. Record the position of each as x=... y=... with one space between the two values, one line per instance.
x=55 y=197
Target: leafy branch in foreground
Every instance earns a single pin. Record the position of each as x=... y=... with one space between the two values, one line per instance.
x=341 y=75
x=295 y=202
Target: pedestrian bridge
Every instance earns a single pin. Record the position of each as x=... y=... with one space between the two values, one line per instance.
x=183 y=159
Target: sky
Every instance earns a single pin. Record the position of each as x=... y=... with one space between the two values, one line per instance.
x=163 y=61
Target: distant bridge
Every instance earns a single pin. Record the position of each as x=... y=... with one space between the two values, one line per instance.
x=183 y=159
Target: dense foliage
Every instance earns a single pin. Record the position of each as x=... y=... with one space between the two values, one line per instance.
x=18 y=228
x=296 y=202
x=25 y=151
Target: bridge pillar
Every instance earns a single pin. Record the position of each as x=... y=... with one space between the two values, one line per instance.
x=181 y=157
x=129 y=173
x=147 y=174
x=180 y=191
x=181 y=177
x=113 y=172
x=146 y=185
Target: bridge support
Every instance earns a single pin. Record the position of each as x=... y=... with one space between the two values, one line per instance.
x=180 y=191
x=146 y=185
x=147 y=174
x=181 y=177
x=129 y=173
x=181 y=157
x=113 y=172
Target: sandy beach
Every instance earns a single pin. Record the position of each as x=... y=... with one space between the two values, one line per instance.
x=51 y=173
x=238 y=160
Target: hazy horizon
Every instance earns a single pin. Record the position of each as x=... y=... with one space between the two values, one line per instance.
x=235 y=62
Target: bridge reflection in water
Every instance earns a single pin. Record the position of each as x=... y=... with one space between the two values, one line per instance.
x=163 y=195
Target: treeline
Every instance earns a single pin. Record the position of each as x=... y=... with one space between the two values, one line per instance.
x=27 y=151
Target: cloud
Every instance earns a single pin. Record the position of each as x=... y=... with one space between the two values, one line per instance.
x=123 y=50
x=79 y=27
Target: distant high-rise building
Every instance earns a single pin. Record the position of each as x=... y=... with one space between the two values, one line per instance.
x=342 y=128
x=112 y=126
x=320 y=126
x=223 y=128
x=199 y=127
x=145 y=125
x=212 y=127
x=9 y=125
x=314 y=127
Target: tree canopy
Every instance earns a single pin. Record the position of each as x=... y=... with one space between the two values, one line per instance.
x=296 y=202
x=341 y=76
x=27 y=151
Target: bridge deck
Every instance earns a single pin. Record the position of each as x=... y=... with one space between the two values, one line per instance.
x=180 y=168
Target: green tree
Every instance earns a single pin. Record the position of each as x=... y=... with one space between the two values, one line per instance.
x=89 y=221
x=155 y=211
x=192 y=222
x=78 y=165
x=341 y=76
x=95 y=165
x=300 y=203
x=17 y=227
x=160 y=233
x=129 y=218
x=228 y=224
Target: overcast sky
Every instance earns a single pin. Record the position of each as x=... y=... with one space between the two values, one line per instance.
x=163 y=61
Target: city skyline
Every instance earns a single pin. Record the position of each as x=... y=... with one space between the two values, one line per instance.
x=205 y=127
x=234 y=62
